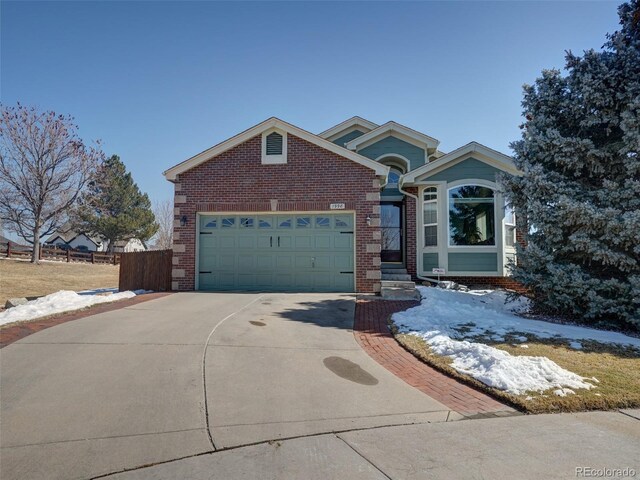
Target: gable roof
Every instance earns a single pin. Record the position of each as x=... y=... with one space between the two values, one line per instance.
x=67 y=234
x=349 y=124
x=477 y=150
x=272 y=122
x=413 y=136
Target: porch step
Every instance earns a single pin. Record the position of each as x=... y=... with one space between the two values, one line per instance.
x=401 y=277
x=406 y=284
x=395 y=293
x=394 y=271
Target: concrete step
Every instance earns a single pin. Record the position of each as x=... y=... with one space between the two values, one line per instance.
x=398 y=277
x=393 y=293
x=394 y=271
x=408 y=285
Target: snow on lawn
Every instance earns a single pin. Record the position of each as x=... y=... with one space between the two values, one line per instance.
x=445 y=318
x=62 y=301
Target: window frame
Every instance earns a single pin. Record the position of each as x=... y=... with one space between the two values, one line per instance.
x=496 y=232
x=434 y=191
x=397 y=171
x=274 y=159
x=509 y=226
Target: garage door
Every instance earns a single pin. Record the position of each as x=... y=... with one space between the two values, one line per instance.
x=295 y=252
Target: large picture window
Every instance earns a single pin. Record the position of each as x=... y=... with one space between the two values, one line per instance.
x=472 y=216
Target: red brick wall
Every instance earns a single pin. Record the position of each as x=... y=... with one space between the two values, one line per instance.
x=495 y=282
x=311 y=179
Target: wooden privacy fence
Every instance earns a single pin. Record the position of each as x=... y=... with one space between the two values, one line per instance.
x=146 y=270
x=53 y=253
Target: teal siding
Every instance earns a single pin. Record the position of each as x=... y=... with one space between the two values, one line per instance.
x=391 y=144
x=429 y=261
x=470 y=168
x=473 y=262
x=348 y=137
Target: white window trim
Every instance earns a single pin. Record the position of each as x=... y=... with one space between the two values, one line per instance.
x=496 y=205
x=425 y=225
x=274 y=159
x=507 y=226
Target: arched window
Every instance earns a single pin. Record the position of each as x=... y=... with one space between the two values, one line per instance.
x=472 y=216
x=393 y=178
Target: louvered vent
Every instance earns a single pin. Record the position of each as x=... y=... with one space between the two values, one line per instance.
x=274 y=144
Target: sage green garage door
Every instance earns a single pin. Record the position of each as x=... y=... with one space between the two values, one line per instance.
x=283 y=252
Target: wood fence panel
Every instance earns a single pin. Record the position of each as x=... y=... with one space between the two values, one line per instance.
x=146 y=270
x=53 y=253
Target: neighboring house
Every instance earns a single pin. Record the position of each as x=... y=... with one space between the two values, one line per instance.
x=133 y=245
x=67 y=237
x=4 y=242
x=83 y=242
x=279 y=208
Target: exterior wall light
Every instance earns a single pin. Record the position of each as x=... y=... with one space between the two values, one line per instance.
x=368 y=220
x=183 y=221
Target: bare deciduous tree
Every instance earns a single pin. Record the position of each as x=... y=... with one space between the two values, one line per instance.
x=163 y=239
x=43 y=167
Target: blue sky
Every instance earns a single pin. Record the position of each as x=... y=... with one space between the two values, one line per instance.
x=158 y=82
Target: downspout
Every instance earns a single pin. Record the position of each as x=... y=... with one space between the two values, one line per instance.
x=400 y=184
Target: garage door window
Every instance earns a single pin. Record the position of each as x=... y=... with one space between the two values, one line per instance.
x=323 y=222
x=284 y=222
x=246 y=222
x=264 y=223
x=228 y=222
x=303 y=222
x=213 y=223
x=342 y=222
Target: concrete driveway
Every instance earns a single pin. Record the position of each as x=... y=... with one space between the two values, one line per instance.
x=187 y=374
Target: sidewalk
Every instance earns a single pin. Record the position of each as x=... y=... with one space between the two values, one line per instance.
x=521 y=447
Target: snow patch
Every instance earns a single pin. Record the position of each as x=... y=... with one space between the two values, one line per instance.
x=59 y=302
x=488 y=312
x=96 y=291
x=500 y=369
x=445 y=319
x=563 y=392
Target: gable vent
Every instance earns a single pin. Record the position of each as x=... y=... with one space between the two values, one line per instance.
x=274 y=144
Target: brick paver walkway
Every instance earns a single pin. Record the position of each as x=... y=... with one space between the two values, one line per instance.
x=373 y=335
x=13 y=333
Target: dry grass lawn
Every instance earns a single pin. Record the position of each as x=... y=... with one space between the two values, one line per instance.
x=616 y=368
x=23 y=279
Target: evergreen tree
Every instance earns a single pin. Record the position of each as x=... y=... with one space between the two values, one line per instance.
x=114 y=208
x=580 y=191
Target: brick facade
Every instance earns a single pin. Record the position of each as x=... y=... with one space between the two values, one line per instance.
x=507 y=283
x=411 y=206
x=312 y=178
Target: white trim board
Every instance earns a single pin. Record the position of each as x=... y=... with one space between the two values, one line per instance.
x=419 y=139
x=349 y=124
x=273 y=122
x=473 y=149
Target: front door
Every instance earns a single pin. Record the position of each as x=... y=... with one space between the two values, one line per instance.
x=391 y=228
